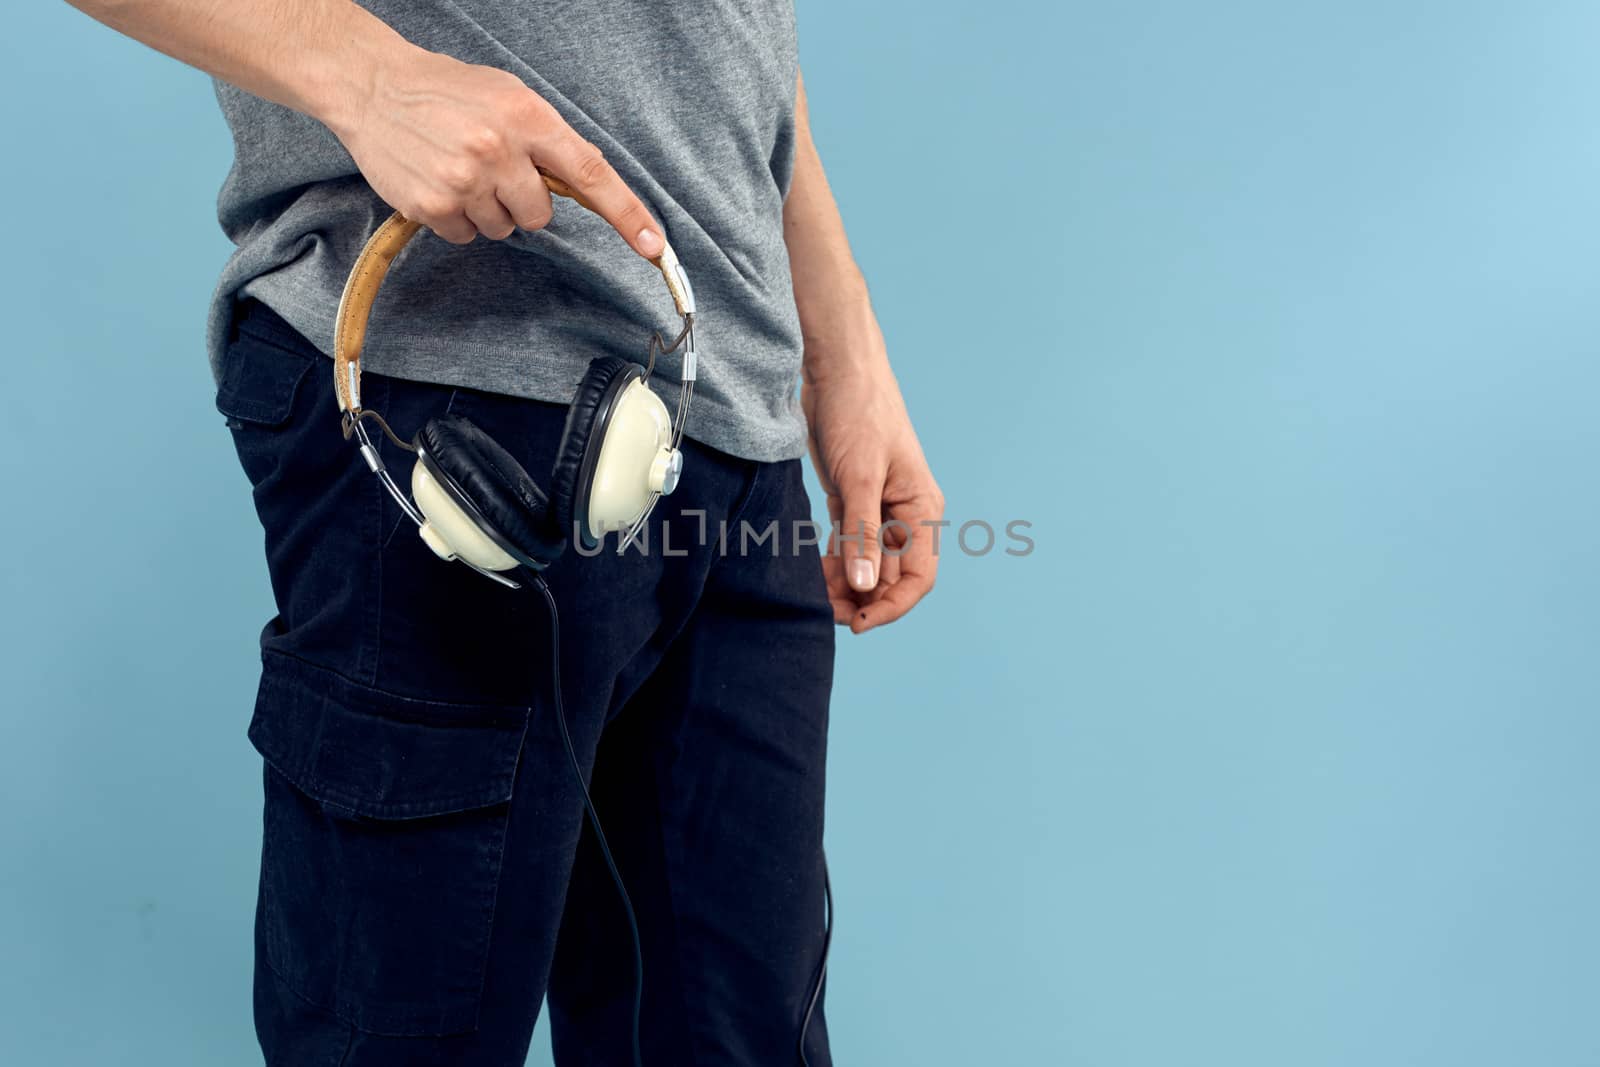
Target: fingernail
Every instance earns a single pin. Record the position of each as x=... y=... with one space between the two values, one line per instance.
x=863 y=575
x=650 y=242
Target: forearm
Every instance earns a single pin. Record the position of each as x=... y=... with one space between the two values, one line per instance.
x=318 y=57
x=837 y=326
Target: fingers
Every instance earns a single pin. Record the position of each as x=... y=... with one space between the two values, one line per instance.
x=527 y=198
x=910 y=564
x=896 y=600
x=903 y=550
x=452 y=226
x=494 y=210
x=843 y=605
x=582 y=166
x=858 y=535
x=490 y=217
x=916 y=570
x=840 y=595
x=453 y=146
x=889 y=563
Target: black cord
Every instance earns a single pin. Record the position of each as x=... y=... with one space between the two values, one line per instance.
x=348 y=426
x=594 y=818
x=822 y=965
x=616 y=875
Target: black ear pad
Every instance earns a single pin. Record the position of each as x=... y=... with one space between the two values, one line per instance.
x=586 y=422
x=496 y=485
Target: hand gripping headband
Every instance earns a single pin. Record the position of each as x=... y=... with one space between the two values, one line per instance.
x=372 y=266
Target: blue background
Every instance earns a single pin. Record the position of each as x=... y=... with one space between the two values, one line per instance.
x=1278 y=321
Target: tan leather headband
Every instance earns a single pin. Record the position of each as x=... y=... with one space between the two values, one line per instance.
x=372 y=266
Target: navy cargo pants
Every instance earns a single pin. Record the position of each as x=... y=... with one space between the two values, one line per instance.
x=427 y=875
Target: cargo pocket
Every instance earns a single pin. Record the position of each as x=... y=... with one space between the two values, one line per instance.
x=260 y=377
x=385 y=826
x=261 y=382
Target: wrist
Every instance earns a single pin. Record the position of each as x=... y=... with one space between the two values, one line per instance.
x=842 y=339
x=340 y=84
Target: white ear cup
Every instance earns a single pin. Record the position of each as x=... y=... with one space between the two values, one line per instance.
x=630 y=465
x=450 y=531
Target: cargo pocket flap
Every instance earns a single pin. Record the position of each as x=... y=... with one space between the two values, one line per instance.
x=259 y=381
x=380 y=755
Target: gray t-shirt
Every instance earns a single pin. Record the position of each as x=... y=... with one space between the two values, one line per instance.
x=692 y=102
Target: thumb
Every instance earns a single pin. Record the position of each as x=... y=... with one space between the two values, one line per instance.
x=858 y=534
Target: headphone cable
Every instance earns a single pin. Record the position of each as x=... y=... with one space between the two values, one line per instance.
x=594 y=816
x=822 y=965
x=616 y=875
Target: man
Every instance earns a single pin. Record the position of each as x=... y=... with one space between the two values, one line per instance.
x=426 y=875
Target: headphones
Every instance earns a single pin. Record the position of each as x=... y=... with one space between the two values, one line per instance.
x=472 y=501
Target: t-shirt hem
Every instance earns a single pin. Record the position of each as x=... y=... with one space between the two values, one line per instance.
x=711 y=423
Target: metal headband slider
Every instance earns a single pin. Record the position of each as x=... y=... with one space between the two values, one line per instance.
x=374 y=461
x=688 y=290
